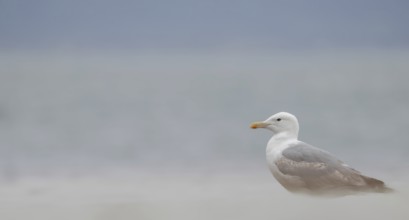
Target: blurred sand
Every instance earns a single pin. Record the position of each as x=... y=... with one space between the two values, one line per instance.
x=249 y=195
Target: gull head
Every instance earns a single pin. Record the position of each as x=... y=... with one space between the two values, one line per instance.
x=281 y=122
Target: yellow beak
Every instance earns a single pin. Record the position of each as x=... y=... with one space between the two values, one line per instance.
x=259 y=124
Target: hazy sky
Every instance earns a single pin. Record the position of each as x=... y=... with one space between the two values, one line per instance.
x=198 y=24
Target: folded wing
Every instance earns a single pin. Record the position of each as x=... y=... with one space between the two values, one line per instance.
x=319 y=171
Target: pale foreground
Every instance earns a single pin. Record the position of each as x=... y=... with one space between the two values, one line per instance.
x=185 y=196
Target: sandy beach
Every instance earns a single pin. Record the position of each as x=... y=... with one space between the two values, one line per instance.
x=253 y=195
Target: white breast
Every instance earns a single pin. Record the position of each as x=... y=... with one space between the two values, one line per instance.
x=274 y=152
x=275 y=147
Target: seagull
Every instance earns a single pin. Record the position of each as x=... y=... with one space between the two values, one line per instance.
x=303 y=168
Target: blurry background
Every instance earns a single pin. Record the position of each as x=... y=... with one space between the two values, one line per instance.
x=140 y=109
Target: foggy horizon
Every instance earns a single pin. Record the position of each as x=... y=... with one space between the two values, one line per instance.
x=181 y=24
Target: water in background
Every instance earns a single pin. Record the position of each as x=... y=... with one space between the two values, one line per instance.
x=155 y=115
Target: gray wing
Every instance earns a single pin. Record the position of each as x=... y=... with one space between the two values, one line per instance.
x=318 y=169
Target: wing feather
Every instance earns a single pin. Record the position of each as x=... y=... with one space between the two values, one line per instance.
x=318 y=169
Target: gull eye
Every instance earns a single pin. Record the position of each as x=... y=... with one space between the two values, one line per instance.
x=278 y=119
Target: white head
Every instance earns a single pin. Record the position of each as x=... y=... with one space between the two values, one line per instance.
x=281 y=122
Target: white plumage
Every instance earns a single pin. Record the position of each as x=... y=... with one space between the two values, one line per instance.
x=302 y=168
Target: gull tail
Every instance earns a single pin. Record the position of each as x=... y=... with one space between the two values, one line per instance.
x=376 y=185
